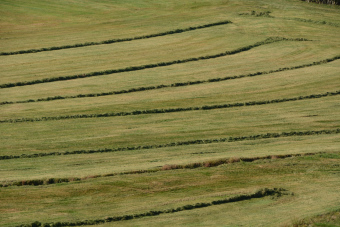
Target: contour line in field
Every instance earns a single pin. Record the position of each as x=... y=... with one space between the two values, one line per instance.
x=110 y=41
x=178 y=143
x=149 y=66
x=179 y=84
x=172 y=110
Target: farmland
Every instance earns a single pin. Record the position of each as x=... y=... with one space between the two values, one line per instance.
x=173 y=113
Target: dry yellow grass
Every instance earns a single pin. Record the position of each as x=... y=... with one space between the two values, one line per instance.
x=314 y=180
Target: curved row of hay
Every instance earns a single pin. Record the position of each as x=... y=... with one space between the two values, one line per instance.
x=90 y=168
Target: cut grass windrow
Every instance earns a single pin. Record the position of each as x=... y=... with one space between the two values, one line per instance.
x=243 y=197
x=267 y=14
x=149 y=66
x=110 y=41
x=257 y=14
x=312 y=21
x=178 y=143
x=172 y=110
x=182 y=84
x=207 y=164
x=329 y=2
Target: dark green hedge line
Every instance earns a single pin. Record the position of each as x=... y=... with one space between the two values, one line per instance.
x=182 y=84
x=110 y=41
x=149 y=66
x=179 y=143
x=171 y=110
x=258 y=194
x=208 y=164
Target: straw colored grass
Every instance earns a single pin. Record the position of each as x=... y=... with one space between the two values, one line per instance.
x=313 y=180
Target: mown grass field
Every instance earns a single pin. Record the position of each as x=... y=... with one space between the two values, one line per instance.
x=173 y=123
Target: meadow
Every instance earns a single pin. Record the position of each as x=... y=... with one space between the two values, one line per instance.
x=173 y=113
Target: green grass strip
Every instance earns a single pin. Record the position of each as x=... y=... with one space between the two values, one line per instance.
x=178 y=143
x=207 y=164
x=172 y=110
x=149 y=66
x=243 y=197
x=110 y=41
x=182 y=84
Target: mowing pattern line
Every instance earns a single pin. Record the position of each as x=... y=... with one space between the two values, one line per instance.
x=110 y=41
x=178 y=143
x=312 y=21
x=257 y=14
x=208 y=164
x=330 y=2
x=172 y=110
x=267 y=14
x=149 y=66
x=181 y=84
x=259 y=194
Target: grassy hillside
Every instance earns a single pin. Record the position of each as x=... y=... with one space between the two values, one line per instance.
x=174 y=113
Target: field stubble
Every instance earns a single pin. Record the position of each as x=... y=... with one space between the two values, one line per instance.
x=314 y=180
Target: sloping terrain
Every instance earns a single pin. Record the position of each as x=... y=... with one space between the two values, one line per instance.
x=173 y=113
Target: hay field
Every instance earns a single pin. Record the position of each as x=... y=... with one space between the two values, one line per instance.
x=173 y=113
